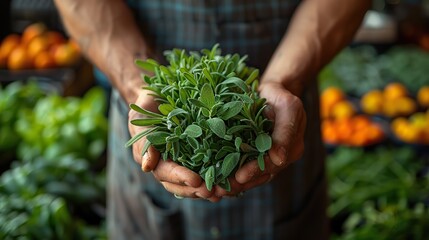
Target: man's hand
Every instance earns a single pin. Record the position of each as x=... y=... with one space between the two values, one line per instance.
x=175 y=178
x=287 y=113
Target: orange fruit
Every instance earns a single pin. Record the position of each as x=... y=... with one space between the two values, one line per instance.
x=372 y=102
x=66 y=55
x=405 y=106
x=44 y=60
x=398 y=123
x=423 y=96
x=329 y=133
x=8 y=44
x=394 y=91
x=37 y=45
x=329 y=97
x=32 y=31
x=343 y=109
x=360 y=122
x=54 y=38
x=18 y=59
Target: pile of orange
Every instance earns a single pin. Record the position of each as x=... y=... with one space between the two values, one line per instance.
x=414 y=129
x=334 y=104
x=393 y=101
x=39 y=48
x=357 y=131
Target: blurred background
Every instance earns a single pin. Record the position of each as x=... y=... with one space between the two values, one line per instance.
x=374 y=101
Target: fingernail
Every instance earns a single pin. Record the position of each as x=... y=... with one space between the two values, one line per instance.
x=187 y=184
x=144 y=162
x=281 y=156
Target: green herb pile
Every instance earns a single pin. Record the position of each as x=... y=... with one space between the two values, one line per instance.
x=210 y=116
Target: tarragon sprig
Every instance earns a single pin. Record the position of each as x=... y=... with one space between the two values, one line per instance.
x=210 y=116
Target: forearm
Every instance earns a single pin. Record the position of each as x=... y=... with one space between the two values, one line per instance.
x=318 y=30
x=109 y=37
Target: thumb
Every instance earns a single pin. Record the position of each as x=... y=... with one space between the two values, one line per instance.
x=289 y=118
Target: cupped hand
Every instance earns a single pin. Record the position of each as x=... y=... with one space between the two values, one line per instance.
x=176 y=179
x=288 y=115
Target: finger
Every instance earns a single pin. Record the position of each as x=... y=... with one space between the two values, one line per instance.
x=285 y=128
x=236 y=188
x=188 y=192
x=249 y=170
x=258 y=181
x=169 y=171
x=150 y=159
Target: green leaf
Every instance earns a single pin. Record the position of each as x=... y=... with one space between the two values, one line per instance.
x=197 y=157
x=261 y=162
x=237 y=143
x=263 y=142
x=146 y=122
x=146 y=146
x=247 y=148
x=237 y=82
x=176 y=112
x=165 y=108
x=217 y=126
x=208 y=75
x=237 y=128
x=158 y=138
x=221 y=153
x=252 y=77
x=209 y=177
x=166 y=71
x=144 y=111
x=189 y=77
x=229 y=163
x=193 y=142
x=207 y=96
x=183 y=95
x=145 y=65
x=198 y=103
x=225 y=184
x=231 y=109
x=139 y=136
x=193 y=131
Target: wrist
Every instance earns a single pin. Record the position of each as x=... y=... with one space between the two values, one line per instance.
x=294 y=84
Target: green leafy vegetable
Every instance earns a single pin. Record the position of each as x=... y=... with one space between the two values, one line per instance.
x=210 y=118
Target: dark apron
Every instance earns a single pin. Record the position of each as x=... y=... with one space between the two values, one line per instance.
x=292 y=206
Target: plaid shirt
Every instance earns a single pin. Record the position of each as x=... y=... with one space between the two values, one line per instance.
x=291 y=206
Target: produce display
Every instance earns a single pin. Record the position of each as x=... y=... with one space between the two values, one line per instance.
x=343 y=125
x=55 y=188
x=210 y=116
x=358 y=131
x=66 y=125
x=37 y=48
x=14 y=98
x=393 y=101
x=378 y=194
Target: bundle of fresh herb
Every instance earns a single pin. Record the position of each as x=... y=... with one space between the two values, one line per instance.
x=210 y=116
